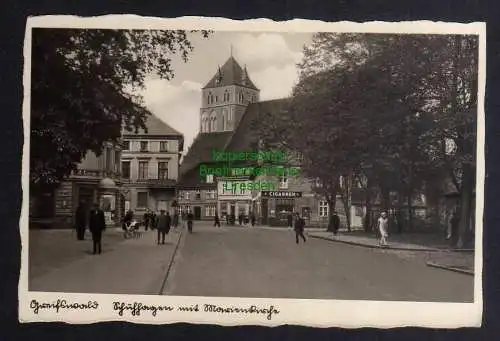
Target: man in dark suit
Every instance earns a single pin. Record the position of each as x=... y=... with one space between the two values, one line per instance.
x=97 y=224
x=334 y=223
x=289 y=219
x=299 y=228
x=163 y=225
x=190 y=219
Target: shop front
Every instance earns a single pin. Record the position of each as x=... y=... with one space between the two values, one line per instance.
x=233 y=202
x=277 y=206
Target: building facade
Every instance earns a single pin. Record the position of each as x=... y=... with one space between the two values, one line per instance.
x=150 y=167
x=97 y=179
x=230 y=104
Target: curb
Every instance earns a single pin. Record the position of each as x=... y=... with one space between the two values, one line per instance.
x=164 y=283
x=391 y=247
x=450 y=268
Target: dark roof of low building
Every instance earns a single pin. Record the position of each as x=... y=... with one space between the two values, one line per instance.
x=231 y=73
x=201 y=149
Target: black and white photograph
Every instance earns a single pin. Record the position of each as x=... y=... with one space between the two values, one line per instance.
x=253 y=172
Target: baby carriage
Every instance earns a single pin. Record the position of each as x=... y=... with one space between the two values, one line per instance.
x=131 y=229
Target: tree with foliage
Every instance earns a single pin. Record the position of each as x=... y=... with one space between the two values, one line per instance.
x=381 y=106
x=84 y=89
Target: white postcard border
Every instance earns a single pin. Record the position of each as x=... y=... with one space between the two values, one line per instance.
x=316 y=313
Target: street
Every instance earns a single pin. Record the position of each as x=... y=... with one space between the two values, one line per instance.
x=257 y=262
x=244 y=262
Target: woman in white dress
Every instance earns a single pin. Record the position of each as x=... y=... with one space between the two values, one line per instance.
x=383 y=228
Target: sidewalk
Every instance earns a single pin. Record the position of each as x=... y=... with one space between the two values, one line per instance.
x=405 y=241
x=51 y=249
x=433 y=250
x=132 y=266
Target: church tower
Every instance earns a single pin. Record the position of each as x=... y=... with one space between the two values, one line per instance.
x=225 y=97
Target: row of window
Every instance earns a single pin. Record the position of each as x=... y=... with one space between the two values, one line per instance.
x=209 y=194
x=144 y=146
x=209 y=209
x=209 y=122
x=143 y=170
x=212 y=99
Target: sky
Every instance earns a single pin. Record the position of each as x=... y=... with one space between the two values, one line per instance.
x=270 y=59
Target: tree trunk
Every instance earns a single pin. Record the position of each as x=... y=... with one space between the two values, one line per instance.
x=466 y=193
x=344 y=196
x=368 y=204
x=409 y=207
x=386 y=198
x=399 y=210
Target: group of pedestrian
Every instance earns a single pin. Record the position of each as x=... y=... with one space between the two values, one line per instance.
x=96 y=225
x=231 y=219
x=149 y=220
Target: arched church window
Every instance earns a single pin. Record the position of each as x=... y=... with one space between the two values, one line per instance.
x=213 y=122
x=204 y=123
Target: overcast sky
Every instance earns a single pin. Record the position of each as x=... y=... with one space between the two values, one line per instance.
x=270 y=58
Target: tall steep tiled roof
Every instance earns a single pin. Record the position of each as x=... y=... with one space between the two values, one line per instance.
x=231 y=73
x=245 y=136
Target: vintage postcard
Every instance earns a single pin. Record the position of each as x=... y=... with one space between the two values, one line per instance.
x=212 y=171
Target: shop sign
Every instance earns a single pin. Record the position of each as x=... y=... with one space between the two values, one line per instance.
x=281 y=194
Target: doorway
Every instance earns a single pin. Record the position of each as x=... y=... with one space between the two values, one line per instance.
x=86 y=196
x=197 y=212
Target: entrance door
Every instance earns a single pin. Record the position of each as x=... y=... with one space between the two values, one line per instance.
x=197 y=212
x=233 y=210
x=86 y=196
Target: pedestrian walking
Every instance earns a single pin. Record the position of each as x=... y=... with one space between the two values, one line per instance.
x=216 y=219
x=146 y=219
x=80 y=221
x=184 y=219
x=175 y=221
x=190 y=222
x=153 y=219
x=252 y=218
x=163 y=226
x=127 y=219
x=334 y=223
x=97 y=224
x=290 y=219
x=299 y=228
x=383 y=228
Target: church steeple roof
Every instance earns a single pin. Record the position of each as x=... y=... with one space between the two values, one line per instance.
x=231 y=73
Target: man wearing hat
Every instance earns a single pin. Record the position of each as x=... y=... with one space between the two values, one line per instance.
x=163 y=225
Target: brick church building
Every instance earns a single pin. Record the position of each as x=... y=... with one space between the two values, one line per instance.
x=230 y=107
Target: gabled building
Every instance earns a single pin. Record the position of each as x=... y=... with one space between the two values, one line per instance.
x=150 y=166
x=223 y=104
x=230 y=106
